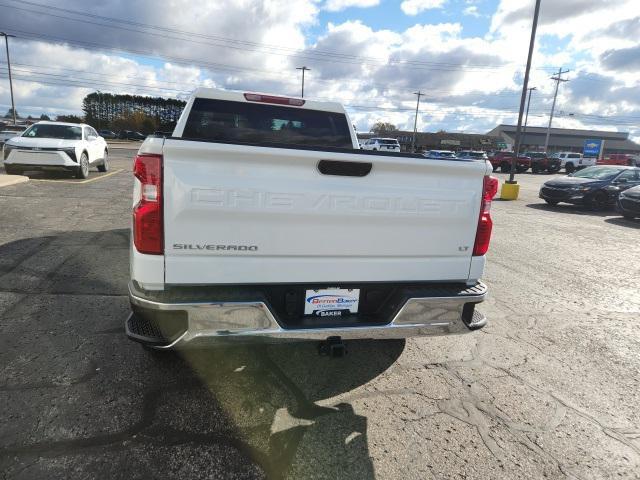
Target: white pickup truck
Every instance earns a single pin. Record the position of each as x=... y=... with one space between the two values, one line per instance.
x=261 y=219
x=572 y=161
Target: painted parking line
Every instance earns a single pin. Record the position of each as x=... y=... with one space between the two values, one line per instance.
x=89 y=180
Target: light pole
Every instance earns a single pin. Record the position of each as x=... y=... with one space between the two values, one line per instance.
x=415 y=122
x=523 y=97
x=304 y=69
x=6 y=44
x=558 y=79
x=526 y=117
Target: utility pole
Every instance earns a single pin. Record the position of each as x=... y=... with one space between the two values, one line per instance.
x=526 y=117
x=558 y=78
x=525 y=86
x=415 y=122
x=304 y=69
x=6 y=44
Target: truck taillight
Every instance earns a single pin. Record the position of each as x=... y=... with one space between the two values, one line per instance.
x=485 y=224
x=147 y=213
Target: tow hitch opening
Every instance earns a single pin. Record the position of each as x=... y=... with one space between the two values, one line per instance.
x=333 y=347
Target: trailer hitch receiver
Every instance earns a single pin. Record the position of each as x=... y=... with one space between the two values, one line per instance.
x=333 y=347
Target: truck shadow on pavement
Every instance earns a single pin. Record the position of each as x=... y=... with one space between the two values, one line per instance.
x=82 y=401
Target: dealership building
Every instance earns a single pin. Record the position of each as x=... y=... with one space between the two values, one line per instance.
x=565 y=139
x=439 y=140
x=503 y=137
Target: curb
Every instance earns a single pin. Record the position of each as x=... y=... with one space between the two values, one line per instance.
x=6 y=180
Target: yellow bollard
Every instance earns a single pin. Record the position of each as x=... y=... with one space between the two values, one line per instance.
x=509 y=191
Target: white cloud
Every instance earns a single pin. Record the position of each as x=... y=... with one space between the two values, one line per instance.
x=472 y=11
x=414 y=7
x=470 y=82
x=338 y=5
x=233 y=31
x=595 y=40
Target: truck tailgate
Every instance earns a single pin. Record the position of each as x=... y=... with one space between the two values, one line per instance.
x=237 y=214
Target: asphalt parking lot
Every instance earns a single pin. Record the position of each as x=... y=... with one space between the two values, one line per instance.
x=549 y=389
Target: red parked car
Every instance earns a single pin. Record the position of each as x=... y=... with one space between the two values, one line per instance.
x=541 y=162
x=502 y=160
x=620 y=159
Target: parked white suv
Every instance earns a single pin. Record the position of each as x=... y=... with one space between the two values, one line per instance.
x=572 y=161
x=56 y=145
x=382 y=144
x=260 y=219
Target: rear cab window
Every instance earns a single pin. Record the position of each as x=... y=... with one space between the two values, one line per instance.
x=263 y=124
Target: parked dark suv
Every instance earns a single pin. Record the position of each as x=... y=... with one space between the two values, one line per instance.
x=629 y=203
x=541 y=162
x=107 y=134
x=131 y=135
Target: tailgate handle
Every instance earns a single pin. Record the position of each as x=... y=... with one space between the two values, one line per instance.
x=345 y=169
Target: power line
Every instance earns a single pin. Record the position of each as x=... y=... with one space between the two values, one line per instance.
x=164 y=28
x=454 y=111
x=184 y=87
x=255 y=44
x=62 y=80
x=221 y=66
x=94 y=86
x=91 y=83
x=101 y=82
x=97 y=84
x=489 y=112
x=79 y=82
x=208 y=66
x=250 y=46
x=35 y=69
x=148 y=53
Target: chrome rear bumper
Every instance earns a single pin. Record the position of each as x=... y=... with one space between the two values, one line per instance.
x=247 y=321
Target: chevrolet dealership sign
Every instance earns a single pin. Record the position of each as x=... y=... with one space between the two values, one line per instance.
x=592 y=148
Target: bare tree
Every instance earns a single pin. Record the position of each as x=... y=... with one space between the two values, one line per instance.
x=382 y=128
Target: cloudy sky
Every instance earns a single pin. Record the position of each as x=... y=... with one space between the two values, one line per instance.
x=467 y=56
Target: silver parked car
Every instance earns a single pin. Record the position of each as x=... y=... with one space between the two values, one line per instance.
x=441 y=154
x=472 y=155
x=7 y=134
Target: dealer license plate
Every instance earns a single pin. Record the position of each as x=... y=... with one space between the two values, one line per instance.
x=331 y=302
